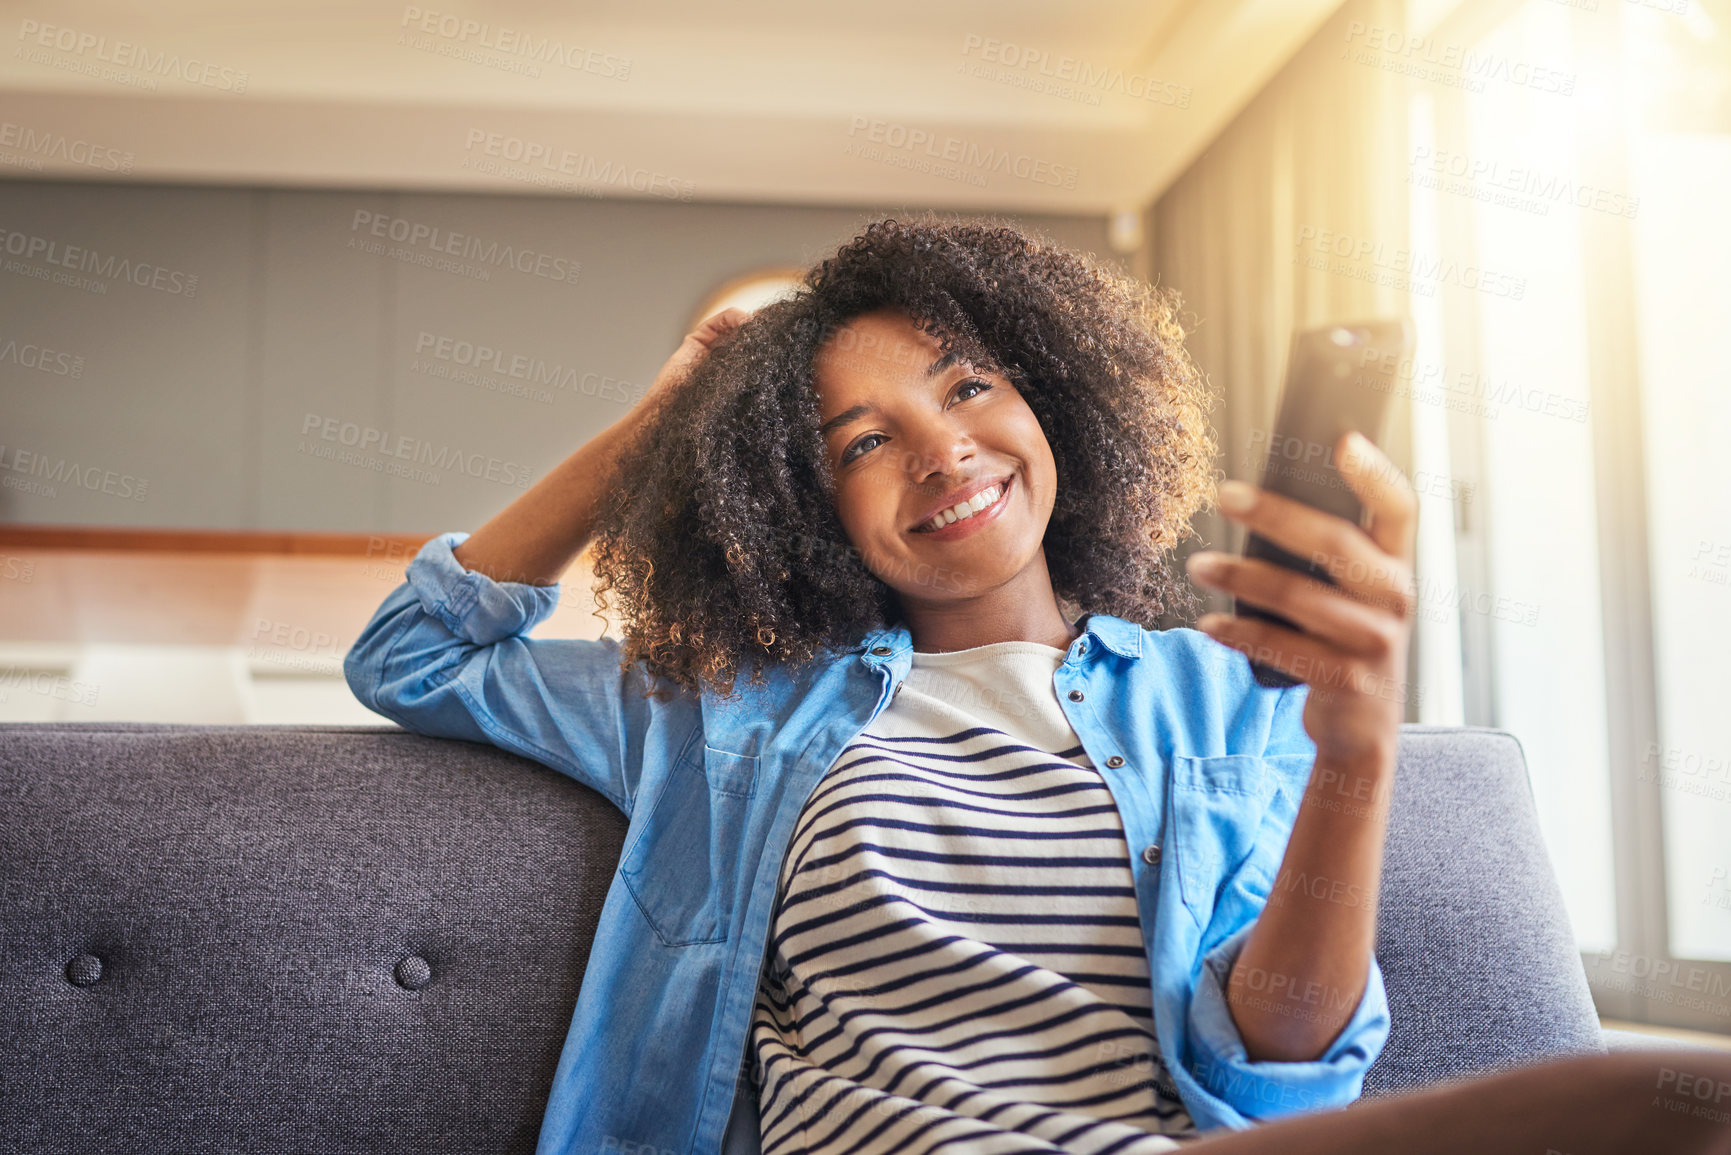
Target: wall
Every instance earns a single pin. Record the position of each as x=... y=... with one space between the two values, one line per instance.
x=211 y=350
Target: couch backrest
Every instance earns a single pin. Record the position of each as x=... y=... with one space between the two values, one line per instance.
x=326 y=939
x=356 y=938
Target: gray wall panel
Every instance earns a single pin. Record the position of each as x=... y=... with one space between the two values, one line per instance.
x=160 y=407
x=320 y=317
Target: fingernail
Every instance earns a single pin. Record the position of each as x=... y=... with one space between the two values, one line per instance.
x=1206 y=564
x=1235 y=496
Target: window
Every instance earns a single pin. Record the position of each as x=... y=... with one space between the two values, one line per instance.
x=1569 y=179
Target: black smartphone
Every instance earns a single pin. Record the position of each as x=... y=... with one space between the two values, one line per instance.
x=1338 y=377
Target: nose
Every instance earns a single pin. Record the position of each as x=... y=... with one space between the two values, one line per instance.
x=938 y=450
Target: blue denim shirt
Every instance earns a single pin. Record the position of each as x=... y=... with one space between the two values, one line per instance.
x=1205 y=765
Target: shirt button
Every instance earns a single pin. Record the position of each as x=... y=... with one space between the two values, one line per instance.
x=1114 y=761
x=1151 y=854
x=881 y=651
x=1075 y=695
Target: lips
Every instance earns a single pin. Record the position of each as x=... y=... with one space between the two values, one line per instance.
x=966 y=493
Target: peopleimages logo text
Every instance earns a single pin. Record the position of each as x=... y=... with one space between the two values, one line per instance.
x=433 y=239
x=87 y=260
x=51 y=471
x=124 y=54
x=367 y=439
x=40 y=144
x=517 y=42
x=956 y=150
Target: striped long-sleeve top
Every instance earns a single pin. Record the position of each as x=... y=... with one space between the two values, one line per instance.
x=955 y=959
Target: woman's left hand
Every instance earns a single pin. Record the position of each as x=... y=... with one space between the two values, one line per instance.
x=1355 y=635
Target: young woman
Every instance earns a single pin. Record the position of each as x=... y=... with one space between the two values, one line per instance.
x=968 y=859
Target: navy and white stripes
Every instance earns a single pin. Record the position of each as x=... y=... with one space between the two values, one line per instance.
x=955 y=960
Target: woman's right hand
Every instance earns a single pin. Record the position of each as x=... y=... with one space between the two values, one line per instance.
x=692 y=350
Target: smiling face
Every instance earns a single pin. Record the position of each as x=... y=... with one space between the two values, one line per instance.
x=910 y=431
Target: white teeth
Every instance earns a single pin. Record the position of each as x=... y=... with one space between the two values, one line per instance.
x=964 y=510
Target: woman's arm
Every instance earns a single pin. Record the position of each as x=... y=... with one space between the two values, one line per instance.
x=1302 y=972
x=537 y=536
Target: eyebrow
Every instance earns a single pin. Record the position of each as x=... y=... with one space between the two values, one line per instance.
x=858 y=411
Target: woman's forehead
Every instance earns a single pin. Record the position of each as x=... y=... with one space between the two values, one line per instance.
x=886 y=344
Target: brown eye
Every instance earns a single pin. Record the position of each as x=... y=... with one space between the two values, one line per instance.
x=851 y=453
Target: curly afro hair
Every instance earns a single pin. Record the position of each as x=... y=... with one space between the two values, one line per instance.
x=719 y=532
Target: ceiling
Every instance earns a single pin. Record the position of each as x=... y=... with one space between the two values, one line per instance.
x=913 y=102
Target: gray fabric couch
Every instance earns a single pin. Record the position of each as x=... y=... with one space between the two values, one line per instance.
x=357 y=939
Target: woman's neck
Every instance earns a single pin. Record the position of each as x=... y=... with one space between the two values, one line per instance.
x=1024 y=609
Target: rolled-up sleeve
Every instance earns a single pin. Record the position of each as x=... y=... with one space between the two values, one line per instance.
x=446 y=655
x=1260 y=1090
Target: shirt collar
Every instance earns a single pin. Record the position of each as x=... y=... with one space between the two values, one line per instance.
x=891 y=643
x=1122 y=637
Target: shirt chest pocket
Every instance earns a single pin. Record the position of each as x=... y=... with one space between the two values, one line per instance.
x=1218 y=807
x=683 y=862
